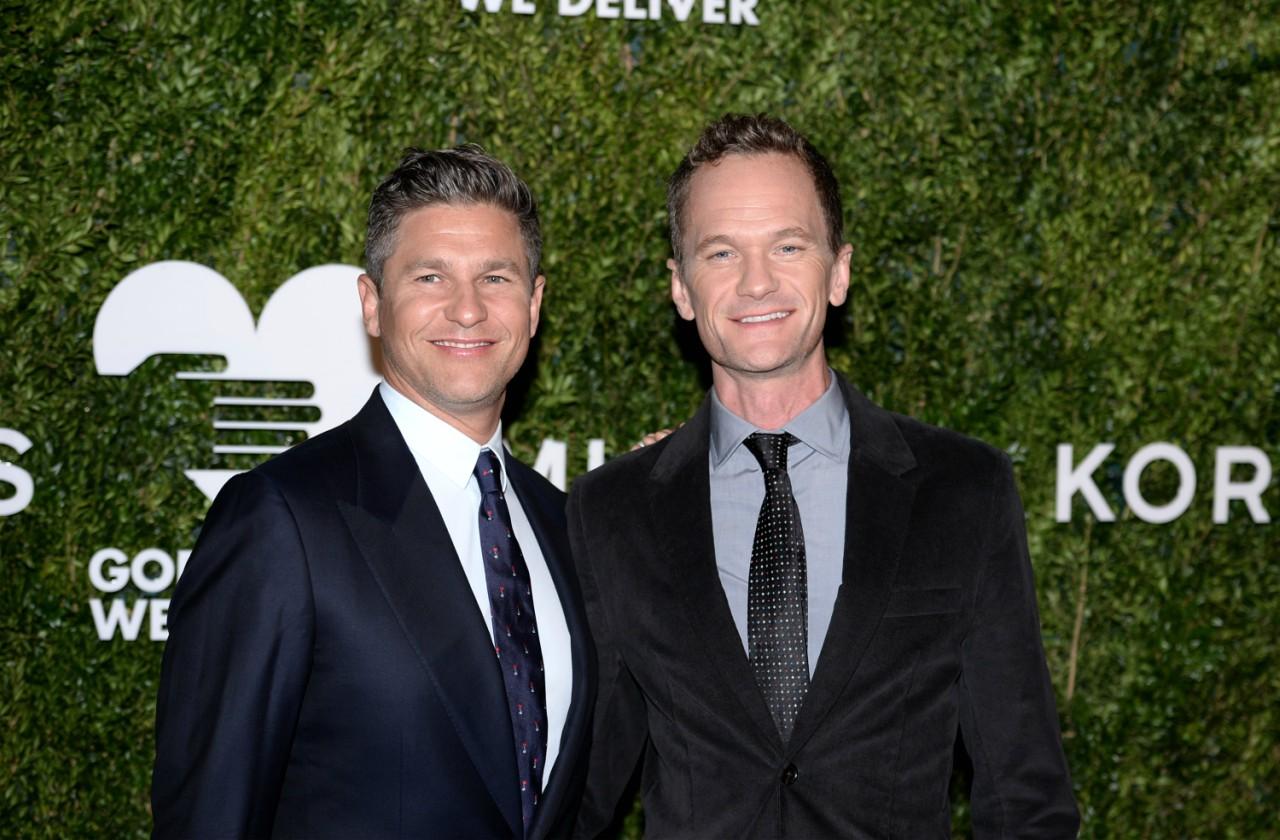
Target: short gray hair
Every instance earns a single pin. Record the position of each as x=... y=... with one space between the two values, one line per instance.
x=462 y=175
x=753 y=134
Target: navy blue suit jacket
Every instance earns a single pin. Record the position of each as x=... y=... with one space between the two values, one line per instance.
x=327 y=672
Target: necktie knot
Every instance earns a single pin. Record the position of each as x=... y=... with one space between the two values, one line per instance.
x=488 y=472
x=770 y=449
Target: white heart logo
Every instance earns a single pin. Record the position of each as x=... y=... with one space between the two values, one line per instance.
x=310 y=331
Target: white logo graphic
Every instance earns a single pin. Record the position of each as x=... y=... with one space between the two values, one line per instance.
x=737 y=12
x=14 y=475
x=309 y=331
x=1076 y=478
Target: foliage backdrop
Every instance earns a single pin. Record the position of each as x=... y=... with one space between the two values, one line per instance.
x=1065 y=223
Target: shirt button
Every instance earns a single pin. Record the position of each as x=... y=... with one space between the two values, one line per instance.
x=790 y=775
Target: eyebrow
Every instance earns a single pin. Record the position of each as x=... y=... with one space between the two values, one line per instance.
x=783 y=233
x=438 y=264
x=500 y=264
x=794 y=233
x=720 y=239
x=433 y=263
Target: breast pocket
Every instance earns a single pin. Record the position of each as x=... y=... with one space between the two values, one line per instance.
x=904 y=603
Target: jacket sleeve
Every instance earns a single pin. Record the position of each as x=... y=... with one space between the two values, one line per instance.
x=241 y=626
x=620 y=729
x=1021 y=786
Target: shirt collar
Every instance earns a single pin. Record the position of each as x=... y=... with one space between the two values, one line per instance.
x=823 y=426
x=433 y=441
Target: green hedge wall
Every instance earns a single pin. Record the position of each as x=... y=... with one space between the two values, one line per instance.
x=1066 y=223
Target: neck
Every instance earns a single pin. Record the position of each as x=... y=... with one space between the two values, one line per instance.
x=478 y=423
x=479 y=429
x=771 y=401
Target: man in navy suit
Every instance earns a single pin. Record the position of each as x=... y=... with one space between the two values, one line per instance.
x=379 y=633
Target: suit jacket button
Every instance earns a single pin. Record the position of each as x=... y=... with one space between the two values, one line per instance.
x=790 y=775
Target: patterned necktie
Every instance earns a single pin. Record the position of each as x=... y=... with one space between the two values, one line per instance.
x=778 y=589
x=515 y=631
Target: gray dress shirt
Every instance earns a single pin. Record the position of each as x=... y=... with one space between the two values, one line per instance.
x=819 y=470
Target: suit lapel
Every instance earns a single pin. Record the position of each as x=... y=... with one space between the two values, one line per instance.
x=402 y=537
x=545 y=512
x=877 y=515
x=680 y=508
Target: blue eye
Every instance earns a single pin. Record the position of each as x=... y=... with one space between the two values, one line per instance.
x=790 y=249
x=429 y=278
x=496 y=278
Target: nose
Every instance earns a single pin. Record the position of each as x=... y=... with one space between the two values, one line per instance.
x=756 y=280
x=466 y=305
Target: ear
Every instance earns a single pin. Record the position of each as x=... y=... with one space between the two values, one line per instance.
x=535 y=303
x=839 y=279
x=369 y=304
x=680 y=292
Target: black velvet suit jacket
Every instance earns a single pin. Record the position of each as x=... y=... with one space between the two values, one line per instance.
x=935 y=635
x=327 y=672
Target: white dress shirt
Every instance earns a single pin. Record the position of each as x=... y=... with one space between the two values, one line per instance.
x=447 y=458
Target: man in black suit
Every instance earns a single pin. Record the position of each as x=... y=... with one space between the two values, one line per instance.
x=379 y=633
x=800 y=600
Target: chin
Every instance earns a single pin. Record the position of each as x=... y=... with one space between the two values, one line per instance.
x=471 y=399
x=762 y=364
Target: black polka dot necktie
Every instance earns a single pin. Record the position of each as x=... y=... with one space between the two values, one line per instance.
x=778 y=589
x=515 y=631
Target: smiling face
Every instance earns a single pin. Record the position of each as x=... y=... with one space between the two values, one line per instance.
x=758 y=274
x=456 y=311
